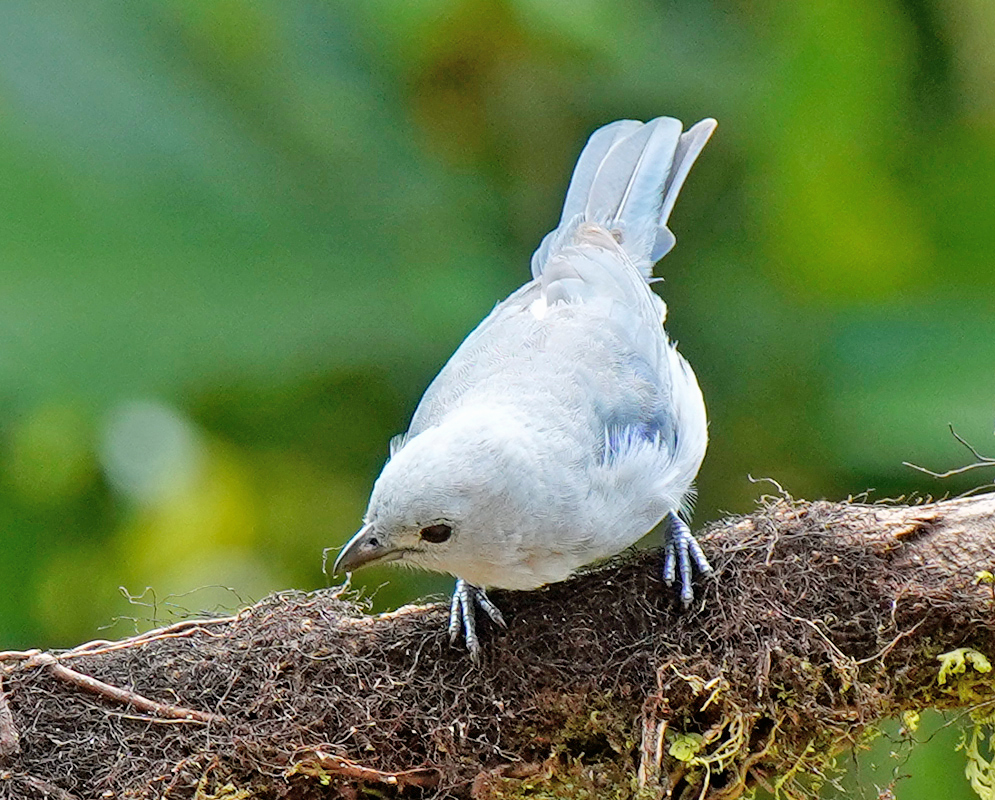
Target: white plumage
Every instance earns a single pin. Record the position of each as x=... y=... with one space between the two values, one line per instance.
x=567 y=425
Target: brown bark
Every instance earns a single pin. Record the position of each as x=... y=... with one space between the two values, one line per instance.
x=825 y=619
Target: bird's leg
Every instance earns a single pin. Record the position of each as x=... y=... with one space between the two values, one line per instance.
x=463 y=615
x=678 y=553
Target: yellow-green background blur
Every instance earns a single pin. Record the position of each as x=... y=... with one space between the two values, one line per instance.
x=238 y=238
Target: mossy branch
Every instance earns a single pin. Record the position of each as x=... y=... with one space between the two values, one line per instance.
x=825 y=619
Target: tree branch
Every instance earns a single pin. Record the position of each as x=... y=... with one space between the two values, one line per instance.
x=825 y=619
x=979 y=463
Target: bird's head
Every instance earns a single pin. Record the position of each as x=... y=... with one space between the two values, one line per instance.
x=453 y=499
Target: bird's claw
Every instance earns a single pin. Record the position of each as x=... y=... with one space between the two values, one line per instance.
x=462 y=615
x=679 y=552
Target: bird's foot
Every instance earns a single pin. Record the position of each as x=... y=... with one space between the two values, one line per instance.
x=462 y=615
x=679 y=552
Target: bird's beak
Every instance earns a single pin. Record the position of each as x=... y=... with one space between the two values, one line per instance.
x=363 y=548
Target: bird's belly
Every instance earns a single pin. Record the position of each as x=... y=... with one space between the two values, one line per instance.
x=533 y=566
x=535 y=569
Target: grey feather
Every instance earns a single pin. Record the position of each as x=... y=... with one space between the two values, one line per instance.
x=627 y=179
x=629 y=183
x=590 y=160
x=688 y=149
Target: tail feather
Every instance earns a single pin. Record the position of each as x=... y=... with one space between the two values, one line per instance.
x=591 y=158
x=689 y=147
x=626 y=195
x=627 y=179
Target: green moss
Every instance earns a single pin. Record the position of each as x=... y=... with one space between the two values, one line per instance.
x=589 y=740
x=957 y=661
x=979 y=747
x=225 y=792
x=910 y=721
x=564 y=779
x=686 y=746
x=966 y=674
x=589 y=726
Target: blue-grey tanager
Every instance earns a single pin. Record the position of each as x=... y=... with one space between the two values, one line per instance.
x=567 y=425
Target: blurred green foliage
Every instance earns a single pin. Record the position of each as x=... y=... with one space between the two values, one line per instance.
x=238 y=238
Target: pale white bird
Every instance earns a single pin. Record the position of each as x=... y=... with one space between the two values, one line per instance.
x=567 y=425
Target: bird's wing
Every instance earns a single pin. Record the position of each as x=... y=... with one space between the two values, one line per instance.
x=505 y=334
x=584 y=344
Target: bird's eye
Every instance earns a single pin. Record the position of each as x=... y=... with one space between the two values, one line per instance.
x=436 y=534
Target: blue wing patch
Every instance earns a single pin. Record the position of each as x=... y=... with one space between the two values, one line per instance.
x=623 y=436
